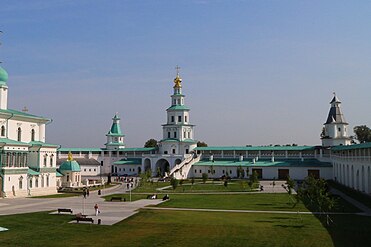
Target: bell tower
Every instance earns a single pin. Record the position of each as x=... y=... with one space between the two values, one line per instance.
x=336 y=128
x=178 y=135
x=115 y=138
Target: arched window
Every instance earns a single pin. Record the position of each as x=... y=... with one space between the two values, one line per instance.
x=2 y=130
x=45 y=160
x=30 y=182
x=19 y=134
x=36 y=182
x=32 y=135
x=51 y=160
x=20 y=183
x=47 y=181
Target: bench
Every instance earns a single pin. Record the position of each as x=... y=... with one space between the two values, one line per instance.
x=66 y=210
x=78 y=219
x=82 y=217
x=116 y=198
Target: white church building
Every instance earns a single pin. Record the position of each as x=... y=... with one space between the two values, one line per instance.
x=177 y=153
x=29 y=165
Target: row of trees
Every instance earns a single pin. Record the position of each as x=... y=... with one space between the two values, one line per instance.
x=362 y=133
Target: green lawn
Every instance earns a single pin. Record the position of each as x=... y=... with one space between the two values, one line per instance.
x=178 y=228
x=150 y=187
x=217 y=186
x=256 y=201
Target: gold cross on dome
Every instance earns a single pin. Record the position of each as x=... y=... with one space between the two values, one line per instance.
x=177 y=69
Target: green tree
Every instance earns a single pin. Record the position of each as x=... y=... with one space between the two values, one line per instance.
x=363 y=133
x=158 y=170
x=315 y=195
x=290 y=185
x=253 y=180
x=201 y=144
x=174 y=183
x=204 y=177
x=151 y=143
x=240 y=172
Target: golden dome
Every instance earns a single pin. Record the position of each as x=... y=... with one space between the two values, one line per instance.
x=178 y=81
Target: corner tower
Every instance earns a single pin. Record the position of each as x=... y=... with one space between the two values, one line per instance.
x=178 y=132
x=115 y=138
x=336 y=128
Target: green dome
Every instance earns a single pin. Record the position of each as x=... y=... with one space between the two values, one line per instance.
x=69 y=165
x=3 y=76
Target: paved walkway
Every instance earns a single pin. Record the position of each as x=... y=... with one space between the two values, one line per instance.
x=111 y=212
x=366 y=210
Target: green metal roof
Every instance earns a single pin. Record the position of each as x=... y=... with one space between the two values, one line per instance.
x=178 y=108
x=32 y=172
x=13 y=142
x=350 y=147
x=3 y=76
x=189 y=140
x=22 y=114
x=43 y=144
x=58 y=174
x=70 y=165
x=128 y=161
x=264 y=163
x=80 y=149
x=115 y=130
x=257 y=148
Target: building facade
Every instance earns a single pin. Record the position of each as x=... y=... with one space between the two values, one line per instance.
x=27 y=163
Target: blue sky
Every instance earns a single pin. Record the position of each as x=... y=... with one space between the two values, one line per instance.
x=254 y=72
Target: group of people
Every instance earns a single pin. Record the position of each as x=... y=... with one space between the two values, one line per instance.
x=85 y=192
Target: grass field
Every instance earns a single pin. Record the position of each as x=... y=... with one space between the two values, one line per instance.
x=177 y=228
x=216 y=186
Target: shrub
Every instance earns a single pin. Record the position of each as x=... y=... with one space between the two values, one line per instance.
x=204 y=177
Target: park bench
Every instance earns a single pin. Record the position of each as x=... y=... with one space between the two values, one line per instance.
x=116 y=198
x=66 y=210
x=81 y=217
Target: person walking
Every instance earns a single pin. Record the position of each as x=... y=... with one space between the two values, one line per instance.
x=87 y=192
x=96 y=208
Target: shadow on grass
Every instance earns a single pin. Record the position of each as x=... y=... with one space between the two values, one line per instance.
x=348 y=229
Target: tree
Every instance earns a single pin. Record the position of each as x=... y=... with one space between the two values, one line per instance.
x=201 y=144
x=290 y=184
x=158 y=172
x=174 y=183
x=253 y=179
x=226 y=183
x=316 y=196
x=151 y=143
x=204 y=177
x=240 y=172
x=363 y=133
